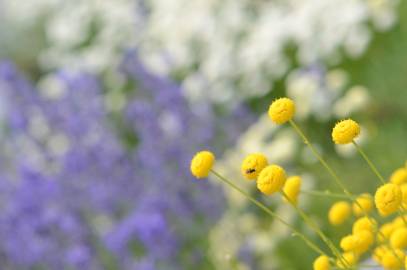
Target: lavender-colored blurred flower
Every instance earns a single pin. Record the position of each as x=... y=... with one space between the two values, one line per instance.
x=71 y=192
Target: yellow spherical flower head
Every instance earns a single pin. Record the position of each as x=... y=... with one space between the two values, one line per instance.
x=362 y=205
x=345 y=131
x=339 y=212
x=351 y=259
x=252 y=165
x=398 y=238
x=403 y=188
x=359 y=242
x=392 y=259
x=271 y=179
x=364 y=224
x=292 y=188
x=379 y=252
x=385 y=231
x=321 y=263
x=388 y=199
x=399 y=176
x=202 y=163
x=281 y=110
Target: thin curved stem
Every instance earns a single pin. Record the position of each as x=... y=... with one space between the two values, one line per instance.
x=269 y=212
x=369 y=162
x=315 y=228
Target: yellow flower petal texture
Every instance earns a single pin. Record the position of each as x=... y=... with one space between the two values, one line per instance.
x=345 y=131
x=281 y=110
x=202 y=163
x=252 y=165
x=271 y=179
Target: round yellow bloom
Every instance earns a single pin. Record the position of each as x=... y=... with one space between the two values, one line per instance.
x=351 y=259
x=403 y=188
x=359 y=242
x=391 y=261
x=362 y=205
x=281 y=110
x=399 y=176
x=398 y=238
x=379 y=252
x=348 y=243
x=252 y=165
x=202 y=163
x=339 y=212
x=388 y=199
x=364 y=224
x=345 y=131
x=364 y=239
x=398 y=222
x=292 y=188
x=271 y=179
x=321 y=263
x=385 y=231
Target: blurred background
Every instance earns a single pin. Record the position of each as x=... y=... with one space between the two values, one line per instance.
x=104 y=102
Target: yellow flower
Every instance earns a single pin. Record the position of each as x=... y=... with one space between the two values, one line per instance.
x=202 y=163
x=348 y=243
x=281 y=110
x=351 y=258
x=388 y=199
x=364 y=239
x=403 y=188
x=292 y=188
x=359 y=242
x=363 y=204
x=399 y=176
x=345 y=131
x=339 y=212
x=321 y=263
x=379 y=252
x=252 y=165
x=392 y=261
x=364 y=223
x=385 y=231
x=398 y=238
x=271 y=179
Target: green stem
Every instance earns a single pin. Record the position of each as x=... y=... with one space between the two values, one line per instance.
x=371 y=165
x=269 y=212
x=325 y=193
x=315 y=227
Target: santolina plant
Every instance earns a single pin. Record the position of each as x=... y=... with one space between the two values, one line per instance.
x=373 y=234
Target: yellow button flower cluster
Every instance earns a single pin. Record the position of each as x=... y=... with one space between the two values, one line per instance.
x=385 y=242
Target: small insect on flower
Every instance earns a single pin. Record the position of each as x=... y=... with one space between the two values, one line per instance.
x=388 y=199
x=271 y=179
x=362 y=205
x=202 y=163
x=281 y=110
x=321 y=263
x=252 y=165
x=345 y=131
x=399 y=176
x=292 y=188
x=339 y=212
